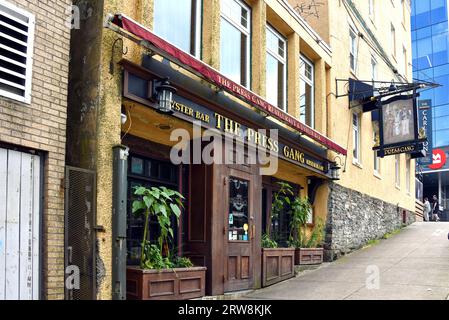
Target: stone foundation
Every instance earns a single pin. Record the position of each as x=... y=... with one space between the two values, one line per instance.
x=355 y=218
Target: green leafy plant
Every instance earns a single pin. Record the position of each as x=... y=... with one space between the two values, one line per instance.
x=163 y=204
x=267 y=242
x=280 y=198
x=300 y=210
x=182 y=262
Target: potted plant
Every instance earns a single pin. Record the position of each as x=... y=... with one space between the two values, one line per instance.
x=161 y=274
x=308 y=243
x=277 y=263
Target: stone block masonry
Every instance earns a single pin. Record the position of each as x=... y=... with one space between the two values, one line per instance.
x=41 y=126
x=355 y=218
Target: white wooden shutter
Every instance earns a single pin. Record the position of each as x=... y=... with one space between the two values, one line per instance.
x=16 y=52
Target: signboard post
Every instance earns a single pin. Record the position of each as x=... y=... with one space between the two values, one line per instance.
x=425 y=122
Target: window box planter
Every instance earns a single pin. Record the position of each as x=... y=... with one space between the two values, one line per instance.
x=277 y=265
x=306 y=256
x=167 y=284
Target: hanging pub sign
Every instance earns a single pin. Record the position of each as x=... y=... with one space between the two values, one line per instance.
x=398 y=127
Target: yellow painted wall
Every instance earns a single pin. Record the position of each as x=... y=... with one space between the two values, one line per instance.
x=362 y=178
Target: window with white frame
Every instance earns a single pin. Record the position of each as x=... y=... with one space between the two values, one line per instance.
x=405 y=61
x=276 y=82
x=307 y=91
x=407 y=174
x=235 y=41
x=404 y=12
x=397 y=169
x=179 y=22
x=16 y=52
x=373 y=68
x=371 y=10
x=356 y=137
x=352 y=49
x=393 y=40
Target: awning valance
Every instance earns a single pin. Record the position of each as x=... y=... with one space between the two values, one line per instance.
x=146 y=37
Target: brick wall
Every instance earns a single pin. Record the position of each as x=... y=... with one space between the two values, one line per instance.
x=42 y=126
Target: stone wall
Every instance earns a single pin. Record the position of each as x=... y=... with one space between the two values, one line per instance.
x=355 y=218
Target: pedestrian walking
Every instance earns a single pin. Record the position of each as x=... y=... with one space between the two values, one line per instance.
x=435 y=209
x=427 y=209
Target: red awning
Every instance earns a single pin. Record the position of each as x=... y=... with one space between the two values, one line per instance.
x=211 y=75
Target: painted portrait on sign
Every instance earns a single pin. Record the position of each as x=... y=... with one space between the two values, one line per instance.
x=399 y=124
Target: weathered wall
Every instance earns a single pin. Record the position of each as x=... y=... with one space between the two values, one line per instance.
x=84 y=81
x=41 y=126
x=355 y=218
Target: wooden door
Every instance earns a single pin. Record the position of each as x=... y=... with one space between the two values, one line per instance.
x=240 y=231
x=20 y=185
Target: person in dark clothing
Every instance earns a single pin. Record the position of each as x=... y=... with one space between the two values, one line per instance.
x=435 y=209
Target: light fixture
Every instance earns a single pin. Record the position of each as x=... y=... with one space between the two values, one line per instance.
x=124 y=118
x=335 y=169
x=335 y=172
x=165 y=93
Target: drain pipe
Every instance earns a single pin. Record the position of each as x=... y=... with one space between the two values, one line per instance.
x=119 y=204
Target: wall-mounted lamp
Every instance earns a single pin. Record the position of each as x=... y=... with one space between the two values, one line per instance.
x=124 y=118
x=164 y=95
x=335 y=169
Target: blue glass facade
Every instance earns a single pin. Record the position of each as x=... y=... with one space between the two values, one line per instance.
x=430 y=42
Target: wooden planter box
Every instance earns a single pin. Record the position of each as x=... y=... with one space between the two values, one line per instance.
x=309 y=256
x=277 y=265
x=172 y=284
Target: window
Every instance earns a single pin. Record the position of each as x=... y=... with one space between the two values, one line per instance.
x=16 y=51
x=148 y=173
x=371 y=10
x=373 y=68
x=307 y=91
x=356 y=137
x=235 y=41
x=405 y=61
x=407 y=174
x=393 y=41
x=397 y=168
x=178 y=22
x=276 y=69
x=376 y=158
x=352 y=49
x=238 y=210
x=404 y=12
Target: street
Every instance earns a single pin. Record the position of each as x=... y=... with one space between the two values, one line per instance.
x=412 y=265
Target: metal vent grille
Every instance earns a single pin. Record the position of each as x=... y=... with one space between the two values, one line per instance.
x=16 y=48
x=80 y=237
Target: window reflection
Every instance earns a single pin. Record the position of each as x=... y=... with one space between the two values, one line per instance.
x=276 y=69
x=307 y=92
x=177 y=22
x=234 y=46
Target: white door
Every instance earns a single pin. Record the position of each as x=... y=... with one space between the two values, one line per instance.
x=19 y=225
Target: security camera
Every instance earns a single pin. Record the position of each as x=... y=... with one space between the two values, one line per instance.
x=124 y=118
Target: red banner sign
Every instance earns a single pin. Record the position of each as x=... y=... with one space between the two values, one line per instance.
x=222 y=81
x=439 y=159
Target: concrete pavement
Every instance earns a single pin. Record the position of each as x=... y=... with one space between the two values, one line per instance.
x=412 y=265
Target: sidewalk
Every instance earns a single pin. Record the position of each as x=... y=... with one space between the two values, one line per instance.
x=413 y=265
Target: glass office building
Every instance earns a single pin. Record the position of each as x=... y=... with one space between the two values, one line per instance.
x=430 y=38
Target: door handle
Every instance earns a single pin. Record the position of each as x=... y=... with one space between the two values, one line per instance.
x=253 y=231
